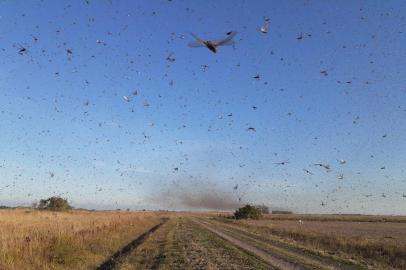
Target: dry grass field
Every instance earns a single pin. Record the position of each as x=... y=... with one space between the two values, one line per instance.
x=376 y=240
x=32 y=239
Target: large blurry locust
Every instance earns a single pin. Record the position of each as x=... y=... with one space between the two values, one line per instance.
x=212 y=45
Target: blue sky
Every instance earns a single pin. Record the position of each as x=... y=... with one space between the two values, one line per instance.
x=336 y=94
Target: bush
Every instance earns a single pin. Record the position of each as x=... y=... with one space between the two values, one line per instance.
x=54 y=203
x=248 y=211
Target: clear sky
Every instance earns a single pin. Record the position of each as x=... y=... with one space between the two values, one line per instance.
x=331 y=88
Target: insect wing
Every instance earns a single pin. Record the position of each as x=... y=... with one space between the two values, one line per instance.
x=227 y=41
x=195 y=44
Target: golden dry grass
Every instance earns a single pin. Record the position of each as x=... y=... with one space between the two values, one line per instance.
x=381 y=243
x=326 y=218
x=31 y=239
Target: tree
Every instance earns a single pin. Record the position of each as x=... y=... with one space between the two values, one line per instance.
x=248 y=211
x=54 y=203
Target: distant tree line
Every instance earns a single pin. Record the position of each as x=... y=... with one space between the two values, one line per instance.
x=281 y=212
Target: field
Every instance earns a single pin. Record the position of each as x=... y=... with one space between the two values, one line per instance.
x=31 y=239
x=66 y=240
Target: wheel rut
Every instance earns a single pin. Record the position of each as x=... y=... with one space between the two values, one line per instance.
x=113 y=261
x=278 y=254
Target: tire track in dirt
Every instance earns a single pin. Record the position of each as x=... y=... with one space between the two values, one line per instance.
x=277 y=254
x=183 y=244
x=151 y=253
x=194 y=247
x=269 y=258
x=333 y=263
x=318 y=260
x=113 y=261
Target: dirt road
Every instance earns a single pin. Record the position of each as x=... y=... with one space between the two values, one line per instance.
x=203 y=243
x=277 y=254
x=184 y=244
x=269 y=258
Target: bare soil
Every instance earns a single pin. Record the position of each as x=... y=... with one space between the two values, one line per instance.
x=187 y=242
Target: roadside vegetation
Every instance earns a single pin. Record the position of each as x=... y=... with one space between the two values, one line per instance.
x=76 y=239
x=361 y=239
x=248 y=212
x=33 y=239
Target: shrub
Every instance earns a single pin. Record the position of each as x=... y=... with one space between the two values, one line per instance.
x=248 y=211
x=54 y=203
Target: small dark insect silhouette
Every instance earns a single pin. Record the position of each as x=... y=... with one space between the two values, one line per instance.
x=342 y=161
x=324 y=72
x=171 y=58
x=264 y=29
x=257 y=77
x=323 y=203
x=101 y=42
x=325 y=166
x=251 y=129
x=282 y=163
x=22 y=50
x=308 y=172
x=212 y=45
x=204 y=67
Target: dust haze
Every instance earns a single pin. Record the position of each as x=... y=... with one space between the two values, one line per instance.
x=196 y=199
